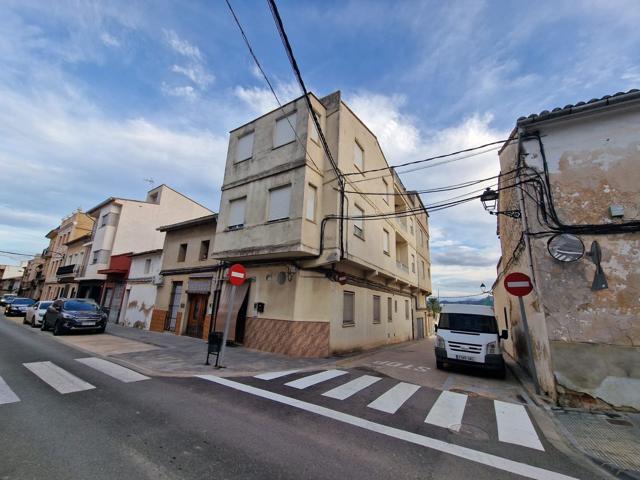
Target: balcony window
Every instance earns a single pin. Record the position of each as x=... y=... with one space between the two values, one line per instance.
x=236 y=213
x=348 y=309
x=376 y=309
x=244 y=149
x=285 y=130
x=358 y=156
x=358 y=223
x=279 y=203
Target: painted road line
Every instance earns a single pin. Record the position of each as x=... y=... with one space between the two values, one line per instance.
x=273 y=375
x=514 y=425
x=352 y=387
x=305 y=382
x=394 y=398
x=6 y=394
x=113 y=370
x=448 y=410
x=56 y=377
x=469 y=454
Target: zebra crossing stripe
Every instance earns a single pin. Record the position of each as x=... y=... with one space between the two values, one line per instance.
x=58 y=378
x=112 y=369
x=351 y=388
x=6 y=394
x=394 y=398
x=273 y=375
x=514 y=425
x=311 y=380
x=448 y=410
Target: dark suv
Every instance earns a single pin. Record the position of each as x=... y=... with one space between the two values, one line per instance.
x=67 y=314
x=18 y=306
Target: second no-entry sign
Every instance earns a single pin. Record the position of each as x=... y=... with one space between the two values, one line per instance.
x=518 y=284
x=237 y=274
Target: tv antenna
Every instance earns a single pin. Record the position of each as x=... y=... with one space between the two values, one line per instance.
x=150 y=181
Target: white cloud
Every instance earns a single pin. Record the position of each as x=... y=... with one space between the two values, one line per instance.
x=184 y=91
x=181 y=46
x=261 y=100
x=109 y=40
x=196 y=73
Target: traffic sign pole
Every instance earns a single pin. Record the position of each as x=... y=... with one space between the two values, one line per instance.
x=237 y=276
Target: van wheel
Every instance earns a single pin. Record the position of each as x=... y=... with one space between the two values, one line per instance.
x=439 y=365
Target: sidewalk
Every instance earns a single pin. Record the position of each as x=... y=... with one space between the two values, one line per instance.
x=610 y=439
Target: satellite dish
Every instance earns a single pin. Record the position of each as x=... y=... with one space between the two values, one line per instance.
x=565 y=247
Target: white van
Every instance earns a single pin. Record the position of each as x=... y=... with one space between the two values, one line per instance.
x=468 y=335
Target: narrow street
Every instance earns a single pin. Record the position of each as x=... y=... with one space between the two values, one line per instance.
x=65 y=416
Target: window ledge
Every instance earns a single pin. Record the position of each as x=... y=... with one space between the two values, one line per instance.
x=386 y=253
x=277 y=220
x=283 y=145
x=348 y=325
x=237 y=162
x=233 y=228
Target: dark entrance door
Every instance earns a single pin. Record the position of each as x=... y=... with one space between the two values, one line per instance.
x=242 y=319
x=195 y=317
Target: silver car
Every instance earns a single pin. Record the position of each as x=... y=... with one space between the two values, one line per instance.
x=35 y=312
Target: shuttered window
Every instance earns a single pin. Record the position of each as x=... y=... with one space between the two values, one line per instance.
x=284 y=132
x=236 y=212
x=348 y=307
x=376 y=309
x=244 y=150
x=358 y=223
x=358 y=156
x=279 y=201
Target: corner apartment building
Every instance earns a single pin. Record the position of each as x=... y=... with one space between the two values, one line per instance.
x=124 y=227
x=320 y=284
x=581 y=203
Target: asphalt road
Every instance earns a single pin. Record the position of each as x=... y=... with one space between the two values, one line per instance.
x=191 y=428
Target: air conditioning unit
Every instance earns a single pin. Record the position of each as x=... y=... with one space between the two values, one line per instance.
x=158 y=279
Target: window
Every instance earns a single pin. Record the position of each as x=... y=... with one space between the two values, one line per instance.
x=422 y=269
x=182 y=252
x=348 y=307
x=312 y=194
x=285 y=130
x=385 y=241
x=100 y=256
x=386 y=191
x=358 y=156
x=244 y=149
x=358 y=223
x=395 y=306
x=110 y=218
x=376 y=309
x=413 y=263
x=236 y=212
x=147 y=265
x=420 y=237
x=103 y=222
x=204 y=250
x=153 y=198
x=313 y=133
x=406 y=309
x=279 y=200
x=411 y=225
x=389 y=312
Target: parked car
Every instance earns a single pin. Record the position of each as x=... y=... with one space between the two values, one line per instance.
x=67 y=314
x=468 y=335
x=18 y=306
x=35 y=312
x=4 y=298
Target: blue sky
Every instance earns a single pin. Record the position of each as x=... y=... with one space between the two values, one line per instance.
x=97 y=96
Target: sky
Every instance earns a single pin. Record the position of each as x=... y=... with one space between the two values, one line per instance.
x=97 y=97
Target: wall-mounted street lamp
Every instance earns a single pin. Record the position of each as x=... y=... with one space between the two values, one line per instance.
x=489 y=199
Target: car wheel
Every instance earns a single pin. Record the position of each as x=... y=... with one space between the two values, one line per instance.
x=24 y=319
x=33 y=322
x=439 y=365
x=43 y=325
x=57 y=328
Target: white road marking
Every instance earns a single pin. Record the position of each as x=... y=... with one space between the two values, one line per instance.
x=514 y=425
x=518 y=284
x=6 y=394
x=272 y=375
x=494 y=461
x=448 y=410
x=352 y=387
x=56 y=377
x=394 y=398
x=113 y=370
x=305 y=382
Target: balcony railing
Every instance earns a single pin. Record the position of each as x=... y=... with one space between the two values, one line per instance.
x=403 y=267
x=402 y=221
x=66 y=270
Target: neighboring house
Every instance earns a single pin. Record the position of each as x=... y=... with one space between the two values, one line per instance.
x=72 y=264
x=320 y=284
x=581 y=168
x=140 y=290
x=189 y=290
x=11 y=278
x=33 y=278
x=58 y=281
x=124 y=227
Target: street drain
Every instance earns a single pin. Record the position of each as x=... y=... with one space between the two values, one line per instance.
x=622 y=423
x=470 y=431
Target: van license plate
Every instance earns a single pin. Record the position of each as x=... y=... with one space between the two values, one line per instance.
x=88 y=323
x=465 y=357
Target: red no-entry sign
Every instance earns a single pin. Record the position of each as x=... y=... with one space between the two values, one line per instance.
x=518 y=284
x=237 y=274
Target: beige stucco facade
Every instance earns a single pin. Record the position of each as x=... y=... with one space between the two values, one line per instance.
x=289 y=233
x=585 y=342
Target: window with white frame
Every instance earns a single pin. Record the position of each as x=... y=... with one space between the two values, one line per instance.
x=285 y=130
x=385 y=241
x=348 y=309
x=358 y=223
x=236 y=212
x=312 y=198
x=147 y=265
x=279 y=202
x=244 y=149
x=376 y=309
x=358 y=156
x=385 y=197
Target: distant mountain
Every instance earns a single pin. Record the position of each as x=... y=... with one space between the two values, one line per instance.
x=488 y=300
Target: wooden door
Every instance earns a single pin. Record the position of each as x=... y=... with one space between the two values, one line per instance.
x=196 y=314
